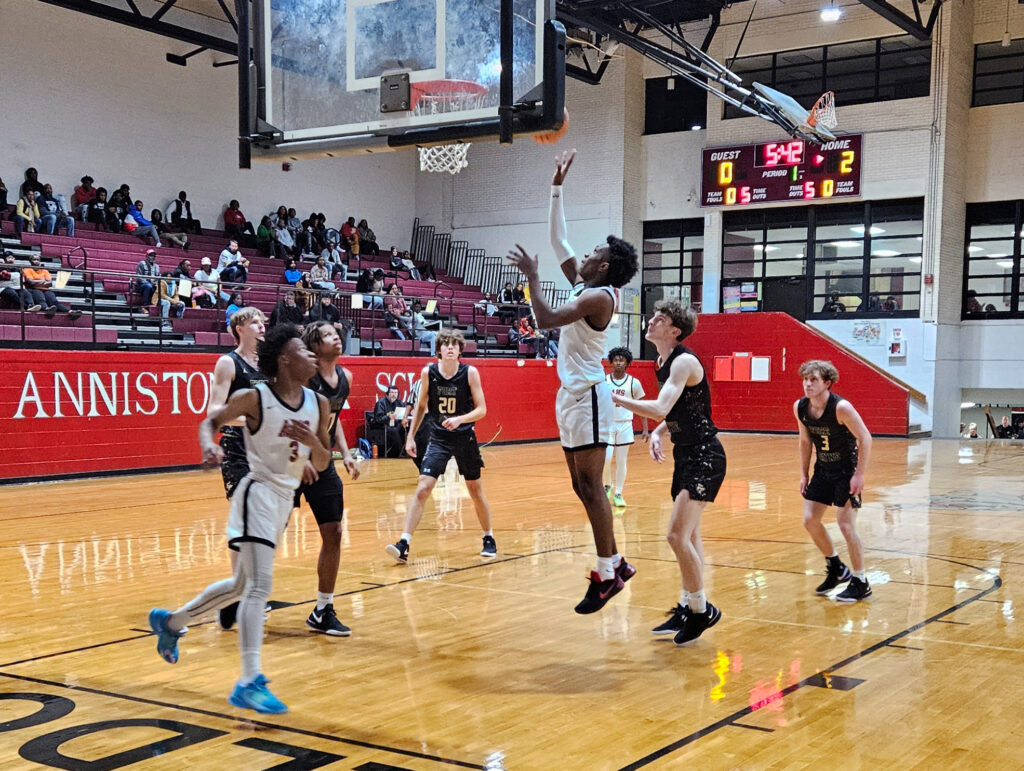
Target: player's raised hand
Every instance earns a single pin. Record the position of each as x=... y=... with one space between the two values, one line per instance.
x=521 y=259
x=562 y=164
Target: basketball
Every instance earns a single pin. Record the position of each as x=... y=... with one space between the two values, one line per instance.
x=550 y=137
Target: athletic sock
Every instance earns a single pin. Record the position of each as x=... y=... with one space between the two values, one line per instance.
x=407 y=537
x=684 y=598
x=490 y=533
x=859 y=574
x=323 y=600
x=606 y=567
x=698 y=603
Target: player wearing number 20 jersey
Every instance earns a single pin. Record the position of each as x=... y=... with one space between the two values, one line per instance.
x=448 y=397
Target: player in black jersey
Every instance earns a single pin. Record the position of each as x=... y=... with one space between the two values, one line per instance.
x=842 y=444
x=684 y=408
x=322 y=488
x=450 y=390
x=236 y=371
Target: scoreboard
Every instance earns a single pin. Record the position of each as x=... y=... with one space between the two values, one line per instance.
x=771 y=172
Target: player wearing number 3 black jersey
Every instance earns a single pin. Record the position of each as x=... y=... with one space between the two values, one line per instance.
x=452 y=393
x=841 y=443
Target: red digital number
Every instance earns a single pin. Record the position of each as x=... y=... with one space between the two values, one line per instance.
x=796 y=153
x=808 y=189
x=744 y=194
x=772 y=153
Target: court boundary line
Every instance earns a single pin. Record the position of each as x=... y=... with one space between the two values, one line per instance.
x=806 y=682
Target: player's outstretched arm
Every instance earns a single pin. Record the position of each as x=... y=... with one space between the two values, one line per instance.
x=418 y=412
x=594 y=304
x=684 y=368
x=849 y=417
x=556 y=220
x=243 y=405
x=805 y=449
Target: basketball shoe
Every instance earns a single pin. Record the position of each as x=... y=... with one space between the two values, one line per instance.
x=835 y=573
x=326 y=621
x=674 y=623
x=166 y=640
x=490 y=547
x=624 y=570
x=398 y=551
x=694 y=624
x=855 y=590
x=618 y=501
x=599 y=592
x=257 y=697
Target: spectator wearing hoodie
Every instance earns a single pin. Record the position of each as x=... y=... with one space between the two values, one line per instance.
x=53 y=214
x=84 y=195
x=144 y=228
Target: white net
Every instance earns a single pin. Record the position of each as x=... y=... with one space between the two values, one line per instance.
x=824 y=112
x=450 y=158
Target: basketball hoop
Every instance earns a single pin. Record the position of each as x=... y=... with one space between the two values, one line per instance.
x=824 y=112
x=442 y=97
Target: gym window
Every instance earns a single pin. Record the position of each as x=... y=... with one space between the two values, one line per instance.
x=992 y=261
x=998 y=73
x=861 y=72
x=674 y=104
x=825 y=261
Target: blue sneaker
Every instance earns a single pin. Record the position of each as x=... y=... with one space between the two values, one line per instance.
x=166 y=640
x=256 y=696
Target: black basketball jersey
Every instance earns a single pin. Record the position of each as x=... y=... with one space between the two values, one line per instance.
x=450 y=397
x=689 y=420
x=336 y=394
x=834 y=445
x=246 y=376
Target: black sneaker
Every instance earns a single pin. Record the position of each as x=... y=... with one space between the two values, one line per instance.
x=326 y=621
x=676 y=617
x=398 y=551
x=599 y=592
x=834 y=575
x=624 y=570
x=694 y=624
x=856 y=590
x=226 y=616
x=490 y=548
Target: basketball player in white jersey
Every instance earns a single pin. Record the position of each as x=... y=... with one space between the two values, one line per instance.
x=583 y=407
x=286 y=424
x=627 y=386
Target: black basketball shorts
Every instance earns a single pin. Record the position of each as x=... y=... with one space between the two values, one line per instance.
x=445 y=445
x=326 y=496
x=235 y=464
x=831 y=487
x=699 y=469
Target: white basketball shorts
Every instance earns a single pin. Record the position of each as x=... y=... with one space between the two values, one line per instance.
x=585 y=418
x=259 y=513
x=622 y=433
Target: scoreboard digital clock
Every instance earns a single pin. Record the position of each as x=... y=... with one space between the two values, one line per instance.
x=770 y=172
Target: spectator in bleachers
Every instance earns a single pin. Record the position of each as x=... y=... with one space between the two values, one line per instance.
x=320 y=275
x=304 y=238
x=399 y=262
x=286 y=311
x=234 y=305
x=12 y=293
x=206 y=288
x=26 y=214
x=3 y=197
x=117 y=208
x=31 y=183
x=292 y=274
x=425 y=268
x=233 y=267
x=145 y=272
x=178 y=239
x=179 y=214
x=486 y=305
x=320 y=235
x=396 y=312
x=84 y=195
x=168 y=300
x=418 y=327
x=144 y=228
x=265 y=238
x=364 y=282
x=39 y=283
x=97 y=211
x=325 y=310
x=367 y=239
x=294 y=223
x=53 y=214
x=281 y=215
x=284 y=242
x=350 y=236
x=335 y=258
x=304 y=292
x=1004 y=430
x=235 y=224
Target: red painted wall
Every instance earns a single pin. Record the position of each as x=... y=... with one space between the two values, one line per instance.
x=768 y=406
x=66 y=412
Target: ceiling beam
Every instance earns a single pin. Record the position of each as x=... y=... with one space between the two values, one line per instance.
x=896 y=16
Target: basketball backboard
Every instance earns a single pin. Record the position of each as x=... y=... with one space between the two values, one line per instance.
x=320 y=64
x=792 y=109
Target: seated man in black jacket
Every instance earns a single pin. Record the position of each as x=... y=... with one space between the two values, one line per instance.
x=286 y=311
x=392 y=413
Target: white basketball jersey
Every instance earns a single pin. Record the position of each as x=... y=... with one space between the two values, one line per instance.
x=630 y=388
x=581 y=349
x=274 y=459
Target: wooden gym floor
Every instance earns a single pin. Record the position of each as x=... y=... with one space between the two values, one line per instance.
x=455 y=662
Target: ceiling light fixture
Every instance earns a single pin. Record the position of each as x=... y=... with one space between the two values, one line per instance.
x=1007 y=40
x=831 y=13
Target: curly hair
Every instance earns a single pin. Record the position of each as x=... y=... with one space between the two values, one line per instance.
x=272 y=345
x=623 y=262
x=826 y=370
x=313 y=334
x=621 y=351
x=449 y=336
x=683 y=317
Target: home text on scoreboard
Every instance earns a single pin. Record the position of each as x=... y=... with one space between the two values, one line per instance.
x=790 y=170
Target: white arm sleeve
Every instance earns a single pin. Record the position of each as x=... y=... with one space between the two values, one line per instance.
x=556 y=227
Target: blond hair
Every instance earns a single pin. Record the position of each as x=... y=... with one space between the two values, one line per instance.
x=244 y=316
x=826 y=370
